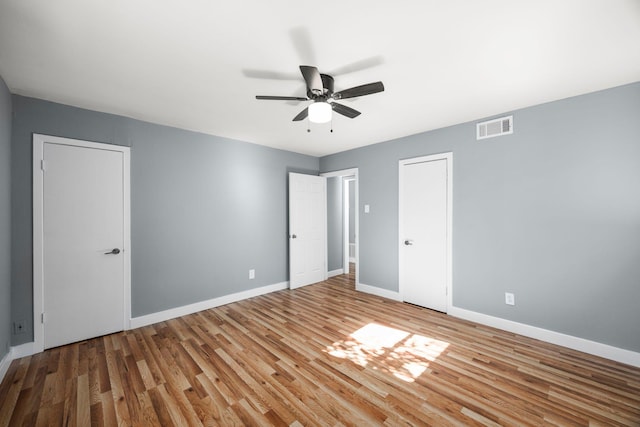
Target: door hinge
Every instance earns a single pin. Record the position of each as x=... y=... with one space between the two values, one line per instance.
x=43 y=165
x=42 y=317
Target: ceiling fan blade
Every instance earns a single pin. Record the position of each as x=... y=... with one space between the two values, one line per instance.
x=344 y=110
x=367 y=89
x=281 y=98
x=312 y=77
x=301 y=115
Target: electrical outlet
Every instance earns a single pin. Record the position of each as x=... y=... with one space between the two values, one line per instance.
x=19 y=327
x=252 y=274
x=509 y=298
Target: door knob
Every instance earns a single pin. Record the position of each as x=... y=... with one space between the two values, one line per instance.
x=293 y=236
x=408 y=242
x=114 y=251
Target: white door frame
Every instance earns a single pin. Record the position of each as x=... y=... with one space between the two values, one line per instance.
x=38 y=229
x=346 y=229
x=351 y=172
x=449 y=158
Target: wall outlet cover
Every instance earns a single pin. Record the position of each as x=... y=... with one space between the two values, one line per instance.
x=19 y=327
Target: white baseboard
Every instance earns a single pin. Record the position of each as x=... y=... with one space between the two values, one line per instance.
x=335 y=272
x=28 y=349
x=161 y=316
x=4 y=365
x=374 y=290
x=22 y=350
x=591 y=347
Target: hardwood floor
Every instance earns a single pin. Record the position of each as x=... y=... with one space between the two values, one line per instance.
x=319 y=355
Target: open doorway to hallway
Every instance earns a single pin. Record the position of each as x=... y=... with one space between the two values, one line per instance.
x=342 y=223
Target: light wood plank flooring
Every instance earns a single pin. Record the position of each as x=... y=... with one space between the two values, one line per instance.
x=320 y=355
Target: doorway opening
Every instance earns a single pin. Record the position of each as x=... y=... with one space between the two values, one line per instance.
x=342 y=224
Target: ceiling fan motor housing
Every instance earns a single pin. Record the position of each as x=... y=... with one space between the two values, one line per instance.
x=327 y=84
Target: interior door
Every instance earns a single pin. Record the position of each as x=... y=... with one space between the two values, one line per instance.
x=83 y=243
x=307 y=229
x=425 y=231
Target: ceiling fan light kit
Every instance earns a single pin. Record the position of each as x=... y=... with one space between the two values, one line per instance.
x=320 y=112
x=320 y=91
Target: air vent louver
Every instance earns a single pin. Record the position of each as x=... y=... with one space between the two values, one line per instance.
x=495 y=127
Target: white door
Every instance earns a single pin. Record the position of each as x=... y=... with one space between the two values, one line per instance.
x=83 y=230
x=425 y=231
x=307 y=229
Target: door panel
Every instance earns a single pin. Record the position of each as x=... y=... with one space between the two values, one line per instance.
x=424 y=262
x=83 y=207
x=307 y=229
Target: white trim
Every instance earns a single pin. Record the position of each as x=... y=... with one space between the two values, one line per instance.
x=342 y=172
x=580 y=344
x=161 y=316
x=38 y=243
x=17 y=352
x=23 y=350
x=433 y=157
x=374 y=290
x=38 y=237
x=591 y=347
x=337 y=272
x=126 y=208
x=357 y=225
x=4 y=364
x=30 y=348
x=345 y=223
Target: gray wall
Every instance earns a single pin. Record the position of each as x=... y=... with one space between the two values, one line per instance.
x=335 y=223
x=204 y=209
x=5 y=218
x=551 y=213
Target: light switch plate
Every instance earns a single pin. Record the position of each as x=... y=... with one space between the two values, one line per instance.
x=509 y=298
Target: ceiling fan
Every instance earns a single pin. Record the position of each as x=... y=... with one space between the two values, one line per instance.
x=320 y=91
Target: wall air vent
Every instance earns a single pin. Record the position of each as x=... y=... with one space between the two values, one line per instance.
x=495 y=127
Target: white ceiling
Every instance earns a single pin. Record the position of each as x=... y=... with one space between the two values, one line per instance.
x=198 y=64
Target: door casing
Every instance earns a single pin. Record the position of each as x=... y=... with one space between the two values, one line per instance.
x=39 y=141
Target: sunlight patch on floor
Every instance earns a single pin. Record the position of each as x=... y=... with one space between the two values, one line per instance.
x=401 y=353
x=376 y=336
